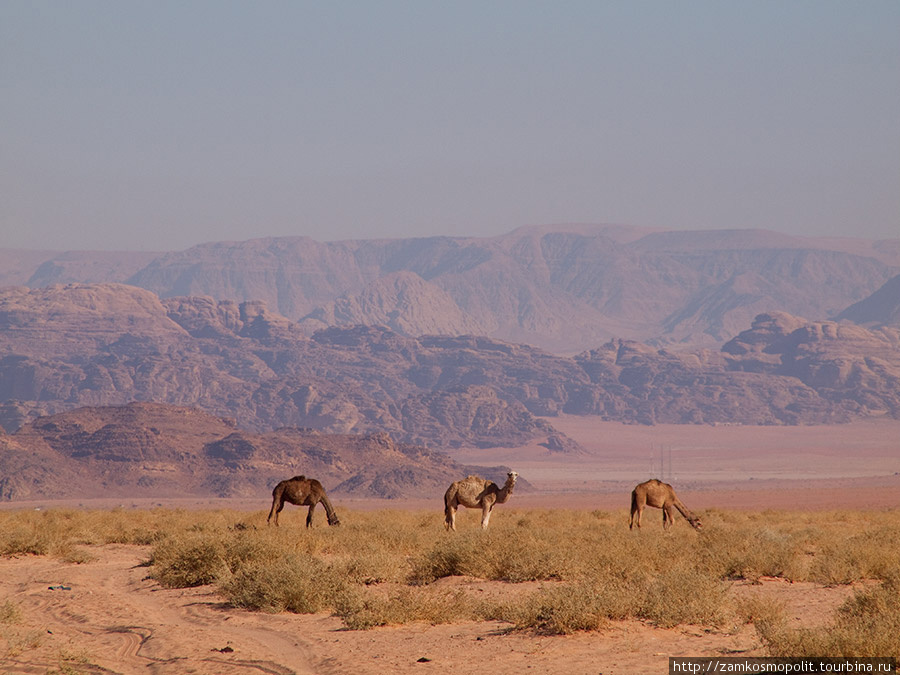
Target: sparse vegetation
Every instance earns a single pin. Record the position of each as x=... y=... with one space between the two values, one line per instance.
x=866 y=625
x=565 y=571
x=9 y=613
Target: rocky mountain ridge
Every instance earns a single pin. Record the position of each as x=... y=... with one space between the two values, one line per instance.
x=63 y=347
x=564 y=288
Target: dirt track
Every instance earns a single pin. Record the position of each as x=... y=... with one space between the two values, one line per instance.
x=110 y=618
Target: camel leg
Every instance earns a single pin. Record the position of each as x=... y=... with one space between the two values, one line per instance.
x=450 y=517
x=668 y=516
x=312 y=507
x=640 y=513
x=277 y=505
x=486 y=516
x=637 y=507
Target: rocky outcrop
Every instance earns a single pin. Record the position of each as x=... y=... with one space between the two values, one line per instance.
x=154 y=450
x=60 y=320
x=850 y=366
x=70 y=346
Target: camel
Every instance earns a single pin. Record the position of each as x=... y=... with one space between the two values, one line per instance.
x=659 y=495
x=301 y=491
x=475 y=492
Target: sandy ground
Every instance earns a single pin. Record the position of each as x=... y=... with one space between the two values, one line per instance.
x=731 y=467
x=110 y=618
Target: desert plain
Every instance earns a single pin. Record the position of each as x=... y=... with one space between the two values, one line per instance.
x=108 y=615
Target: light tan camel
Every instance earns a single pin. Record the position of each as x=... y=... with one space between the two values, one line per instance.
x=301 y=491
x=661 y=496
x=476 y=493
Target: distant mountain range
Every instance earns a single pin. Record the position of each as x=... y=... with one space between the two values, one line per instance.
x=563 y=289
x=219 y=370
x=75 y=345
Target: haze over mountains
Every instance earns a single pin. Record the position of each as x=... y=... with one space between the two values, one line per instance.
x=103 y=344
x=351 y=359
x=564 y=289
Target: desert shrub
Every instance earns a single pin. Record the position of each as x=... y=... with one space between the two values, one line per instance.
x=683 y=593
x=58 y=532
x=190 y=559
x=361 y=609
x=370 y=567
x=531 y=545
x=765 y=613
x=555 y=610
x=24 y=538
x=866 y=625
x=749 y=552
x=496 y=556
x=288 y=583
x=377 y=568
x=10 y=612
x=454 y=556
x=16 y=641
x=870 y=554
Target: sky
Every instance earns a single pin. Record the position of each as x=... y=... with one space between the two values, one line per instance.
x=156 y=126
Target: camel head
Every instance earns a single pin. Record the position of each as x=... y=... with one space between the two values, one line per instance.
x=695 y=523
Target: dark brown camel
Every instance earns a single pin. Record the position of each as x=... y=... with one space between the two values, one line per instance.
x=301 y=491
x=661 y=496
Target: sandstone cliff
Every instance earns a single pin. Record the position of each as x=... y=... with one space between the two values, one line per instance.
x=76 y=345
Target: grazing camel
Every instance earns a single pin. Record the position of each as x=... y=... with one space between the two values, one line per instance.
x=476 y=493
x=661 y=496
x=301 y=491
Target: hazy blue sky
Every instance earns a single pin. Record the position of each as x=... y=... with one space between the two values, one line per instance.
x=157 y=125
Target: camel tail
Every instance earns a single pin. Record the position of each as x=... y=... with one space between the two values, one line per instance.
x=634 y=508
x=329 y=511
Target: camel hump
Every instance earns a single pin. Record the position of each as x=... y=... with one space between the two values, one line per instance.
x=473 y=477
x=299 y=478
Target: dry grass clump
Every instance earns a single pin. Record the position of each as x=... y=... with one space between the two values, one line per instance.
x=866 y=625
x=493 y=555
x=289 y=583
x=58 y=532
x=190 y=559
x=558 y=609
x=362 y=608
x=13 y=639
x=581 y=569
x=667 y=597
x=747 y=552
x=682 y=593
x=10 y=612
x=870 y=554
